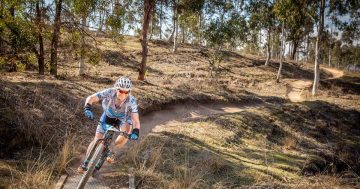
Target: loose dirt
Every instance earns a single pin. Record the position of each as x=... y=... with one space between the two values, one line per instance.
x=298 y=88
x=335 y=73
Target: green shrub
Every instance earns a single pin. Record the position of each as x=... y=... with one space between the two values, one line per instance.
x=20 y=67
x=2 y=62
x=31 y=61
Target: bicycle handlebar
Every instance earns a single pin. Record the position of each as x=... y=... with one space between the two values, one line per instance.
x=115 y=129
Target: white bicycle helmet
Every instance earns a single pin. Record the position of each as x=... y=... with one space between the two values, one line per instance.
x=123 y=83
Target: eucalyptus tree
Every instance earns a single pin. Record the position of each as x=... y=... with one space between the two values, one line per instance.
x=185 y=13
x=263 y=18
x=115 y=22
x=82 y=10
x=176 y=13
x=190 y=19
x=103 y=10
x=297 y=18
x=148 y=8
x=40 y=25
x=21 y=28
x=225 y=26
x=300 y=22
x=350 y=27
x=317 y=50
x=55 y=38
x=282 y=13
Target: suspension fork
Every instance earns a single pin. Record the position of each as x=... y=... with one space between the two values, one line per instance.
x=88 y=157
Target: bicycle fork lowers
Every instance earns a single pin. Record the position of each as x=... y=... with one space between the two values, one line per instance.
x=98 y=154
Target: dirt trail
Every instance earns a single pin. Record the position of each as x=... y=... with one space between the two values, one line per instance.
x=178 y=112
x=334 y=72
x=298 y=87
x=162 y=118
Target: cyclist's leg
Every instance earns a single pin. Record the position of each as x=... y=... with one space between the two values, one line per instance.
x=121 y=140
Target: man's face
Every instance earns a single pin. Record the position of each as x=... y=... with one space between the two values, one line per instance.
x=121 y=95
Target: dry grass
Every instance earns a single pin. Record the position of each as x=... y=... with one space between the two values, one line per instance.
x=68 y=152
x=30 y=174
x=39 y=171
x=242 y=150
x=258 y=148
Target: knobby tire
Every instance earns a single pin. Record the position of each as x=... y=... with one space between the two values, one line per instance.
x=91 y=167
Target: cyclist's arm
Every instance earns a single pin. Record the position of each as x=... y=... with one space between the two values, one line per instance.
x=135 y=120
x=92 y=99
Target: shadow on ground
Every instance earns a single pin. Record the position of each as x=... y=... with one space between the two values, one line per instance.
x=348 y=84
x=117 y=58
x=31 y=110
x=326 y=136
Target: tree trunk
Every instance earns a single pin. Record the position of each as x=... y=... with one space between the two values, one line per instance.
x=151 y=28
x=259 y=44
x=317 y=49
x=307 y=48
x=273 y=54
x=200 y=20
x=329 y=57
x=183 y=35
x=39 y=23
x=101 y=21
x=2 y=42
x=330 y=45
x=82 y=48
x=282 y=49
x=153 y=22
x=268 y=48
x=13 y=36
x=55 y=39
x=171 y=38
x=12 y=11
x=176 y=22
x=294 y=49
x=148 y=6
x=160 y=19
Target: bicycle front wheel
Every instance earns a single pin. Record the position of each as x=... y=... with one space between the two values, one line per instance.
x=91 y=167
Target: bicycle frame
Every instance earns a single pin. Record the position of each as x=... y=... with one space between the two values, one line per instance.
x=99 y=153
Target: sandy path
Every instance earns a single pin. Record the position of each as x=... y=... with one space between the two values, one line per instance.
x=298 y=87
x=334 y=72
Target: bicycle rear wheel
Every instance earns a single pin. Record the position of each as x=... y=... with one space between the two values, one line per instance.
x=94 y=159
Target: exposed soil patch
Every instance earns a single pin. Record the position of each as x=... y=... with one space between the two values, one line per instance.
x=297 y=90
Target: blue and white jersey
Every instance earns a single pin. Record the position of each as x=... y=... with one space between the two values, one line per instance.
x=112 y=110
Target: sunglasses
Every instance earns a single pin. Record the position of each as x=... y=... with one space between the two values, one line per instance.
x=123 y=92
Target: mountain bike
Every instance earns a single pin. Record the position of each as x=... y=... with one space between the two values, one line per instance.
x=99 y=152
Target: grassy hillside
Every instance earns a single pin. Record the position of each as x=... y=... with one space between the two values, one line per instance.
x=279 y=144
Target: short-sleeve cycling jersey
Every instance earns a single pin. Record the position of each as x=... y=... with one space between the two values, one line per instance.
x=108 y=98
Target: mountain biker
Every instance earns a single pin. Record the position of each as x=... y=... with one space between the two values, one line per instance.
x=120 y=109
